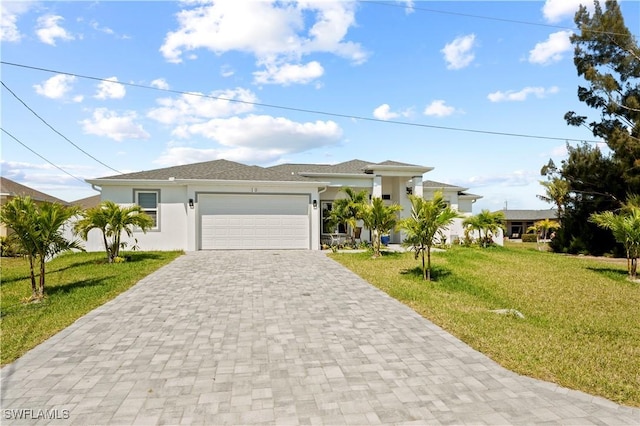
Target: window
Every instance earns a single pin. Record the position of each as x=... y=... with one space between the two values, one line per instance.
x=148 y=200
x=326 y=212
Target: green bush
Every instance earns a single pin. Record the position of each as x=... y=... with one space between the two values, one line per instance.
x=529 y=238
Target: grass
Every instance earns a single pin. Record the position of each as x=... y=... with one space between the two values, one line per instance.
x=76 y=283
x=582 y=323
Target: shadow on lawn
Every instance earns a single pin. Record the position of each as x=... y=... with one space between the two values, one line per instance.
x=609 y=272
x=438 y=273
x=69 y=287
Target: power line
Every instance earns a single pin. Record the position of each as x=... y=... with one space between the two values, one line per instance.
x=51 y=127
x=309 y=111
x=54 y=165
x=489 y=18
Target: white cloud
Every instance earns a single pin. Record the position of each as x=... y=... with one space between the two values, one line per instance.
x=383 y=112
x=9 y=13
x=117 y=127
x=515 y=178
x=175 y=156
x=287 y=74
x=552 y=49
x=438 y=108
x=265 y=133
x=555 y=11
x=190 y=108
x=408 y=6
x=276 y=33
x=160 y=83
x=110 y=89
x=458 y=54
x=48 y=29
x=226 y=71
x=55 y=87
x=521 y=95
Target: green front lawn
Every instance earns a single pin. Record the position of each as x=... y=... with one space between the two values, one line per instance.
x=582 y=316
x=76 y=283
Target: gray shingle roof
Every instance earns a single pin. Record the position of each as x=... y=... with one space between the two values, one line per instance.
x=88 y=202
x=14 y=189
x=352 y=166
x=530 y=215
x=212 y=170
x=434 y=184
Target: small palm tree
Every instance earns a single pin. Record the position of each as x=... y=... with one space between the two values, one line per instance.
x=427 y=218
x=349 y=210
x=19 y=215
x=542 y=228
x=38 y=231
x=380 y=218
x=488 y=222
x=49 y=235
x=625 y=227
x=112 y=220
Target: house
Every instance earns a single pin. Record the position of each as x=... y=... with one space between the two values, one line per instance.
x=88 y=202
x=10 y=189
x=518 y=221
x=223 y=204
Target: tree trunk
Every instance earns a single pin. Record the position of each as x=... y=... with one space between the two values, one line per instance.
x=106 y=246
x=424 y=269
x=42 y=270
x=634 y=268
x=34 y=287
x=428 y=263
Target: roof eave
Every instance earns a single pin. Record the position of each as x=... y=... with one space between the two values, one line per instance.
x=225 y=182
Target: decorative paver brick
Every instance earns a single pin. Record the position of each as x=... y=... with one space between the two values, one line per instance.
x=275 y=337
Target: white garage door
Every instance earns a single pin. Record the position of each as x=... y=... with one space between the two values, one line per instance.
x=254 y=221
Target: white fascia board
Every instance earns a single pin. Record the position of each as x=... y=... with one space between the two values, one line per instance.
x=399 y=170
x=134 y=182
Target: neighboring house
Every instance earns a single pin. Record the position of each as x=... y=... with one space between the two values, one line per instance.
x=222 y=204
x=10 y=189
x=518 y=221
x=88 y=202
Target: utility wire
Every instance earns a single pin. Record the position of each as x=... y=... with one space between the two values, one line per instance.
x=54 y=165
x=489 y=18
x=310 y=111
x=51 y=127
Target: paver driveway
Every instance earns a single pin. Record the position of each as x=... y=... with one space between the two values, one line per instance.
x=275 y=337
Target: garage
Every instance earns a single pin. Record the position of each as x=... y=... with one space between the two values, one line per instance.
x=254 y=221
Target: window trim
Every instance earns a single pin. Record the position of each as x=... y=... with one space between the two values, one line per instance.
x=136 y=201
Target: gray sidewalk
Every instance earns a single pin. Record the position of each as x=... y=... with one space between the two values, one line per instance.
x=273 y=337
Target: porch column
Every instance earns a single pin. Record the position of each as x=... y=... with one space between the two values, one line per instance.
x=417 y=186
x=377 y=187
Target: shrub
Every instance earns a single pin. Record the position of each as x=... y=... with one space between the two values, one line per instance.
x=529 y=238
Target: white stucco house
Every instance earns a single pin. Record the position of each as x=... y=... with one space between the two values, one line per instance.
x=223 y=204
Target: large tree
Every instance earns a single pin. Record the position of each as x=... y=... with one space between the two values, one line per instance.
x=427 y=218
x=607 y=56
x=112 y=220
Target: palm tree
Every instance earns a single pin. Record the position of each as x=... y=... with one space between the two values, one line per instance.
x=427 y=218
x=485 y=221
x=112 y=219
x=625 y=227
x=379 y=218
x=349 y=210
x=38 y=232
x=19 y=215
x=542 y=228
x=49 y=236
x=557 y=192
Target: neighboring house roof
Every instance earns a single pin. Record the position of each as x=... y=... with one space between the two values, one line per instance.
x=434 y=184
x=529 y=215
x=88 y=202
x=211 y=170
x=9 y=188
x=347 y=167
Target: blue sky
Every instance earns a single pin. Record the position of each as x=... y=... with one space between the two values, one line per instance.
x=501 y=67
